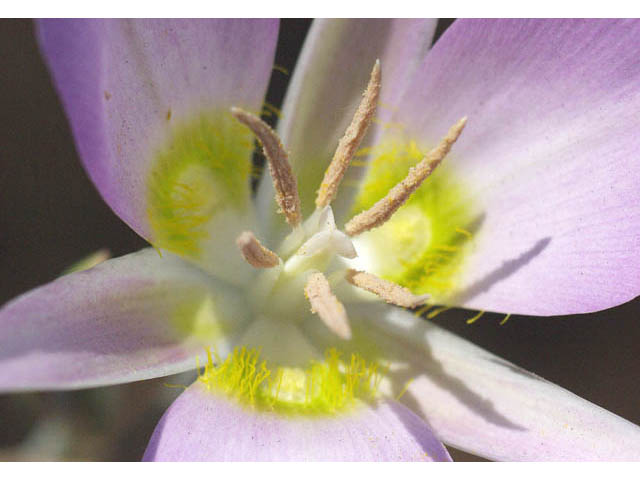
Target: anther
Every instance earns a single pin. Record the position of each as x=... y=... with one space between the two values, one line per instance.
x=351 y=140
x=283 y=179
x=327 y=306
x=390 y=292
x=254 y=252
x=383 y=209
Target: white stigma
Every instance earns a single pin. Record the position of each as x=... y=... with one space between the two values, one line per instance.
x=323 y=238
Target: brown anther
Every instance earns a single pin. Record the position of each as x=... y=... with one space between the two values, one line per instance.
x=384 y=208
x=254 y=252
x=390 y=292
x=327 y=306
x=284 y=181
x=351 y=140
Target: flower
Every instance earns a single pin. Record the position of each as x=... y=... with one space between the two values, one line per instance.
x=535 y=213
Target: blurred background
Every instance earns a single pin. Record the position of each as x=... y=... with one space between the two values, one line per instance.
x=51 y=216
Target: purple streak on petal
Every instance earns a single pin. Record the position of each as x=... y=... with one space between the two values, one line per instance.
x=203 y=426
x=549 y=152
x=119 y=79
x=117 y=322
x=326 y=87
x=483 y=404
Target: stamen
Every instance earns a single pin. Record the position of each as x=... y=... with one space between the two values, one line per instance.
x=390 y=292
x=434 y=313
x=404 y=389
x=327 y=306
x=254 y=252
x=421 y=310
x=398 y=195
x=284 y=180
x=351 y=140
x=475 y=318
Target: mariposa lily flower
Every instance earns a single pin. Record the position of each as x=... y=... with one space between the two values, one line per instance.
x=534 y=211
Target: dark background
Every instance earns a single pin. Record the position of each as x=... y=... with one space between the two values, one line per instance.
x=51 y=215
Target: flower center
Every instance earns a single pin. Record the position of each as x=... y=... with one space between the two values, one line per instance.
x=315 y=247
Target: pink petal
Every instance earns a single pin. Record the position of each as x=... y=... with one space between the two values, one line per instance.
x=482 y=404
x=204 y=426
x=548 y=158
x=122 y=80
x=132 y=318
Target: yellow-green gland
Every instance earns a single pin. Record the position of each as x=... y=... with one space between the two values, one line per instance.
x=325 y=387
x=202 y=169
x=423 y=246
